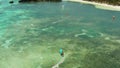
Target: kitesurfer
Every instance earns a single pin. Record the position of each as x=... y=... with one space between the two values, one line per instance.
x=61 y=52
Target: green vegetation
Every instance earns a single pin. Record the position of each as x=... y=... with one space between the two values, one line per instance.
x=39 y=0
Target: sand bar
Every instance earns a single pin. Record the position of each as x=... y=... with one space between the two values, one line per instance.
x=99 y=5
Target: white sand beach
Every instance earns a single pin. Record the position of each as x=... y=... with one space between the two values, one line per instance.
x=99 y=5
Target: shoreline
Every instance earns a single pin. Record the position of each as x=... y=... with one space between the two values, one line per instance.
x=99 y=5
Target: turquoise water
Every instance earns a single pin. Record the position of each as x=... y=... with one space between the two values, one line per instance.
x=32 y=34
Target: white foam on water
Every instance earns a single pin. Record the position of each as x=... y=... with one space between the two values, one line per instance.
x=107 y=7
x=44 y=29
x=107 y=38
x=83 y=30
x=87 y=33
x=118 y=41
x=60 y=62
x=63 y=7
x=7 y=43
x=90 y=36
x=47 y=28
x=101 y=34
x=57 y=21
x=23 y=17
x=99 y=5
x=32 y=24
x=77 y=35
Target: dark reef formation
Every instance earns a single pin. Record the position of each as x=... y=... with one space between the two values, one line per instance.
x=112 y=2
x=11 y=2
x=39 y=1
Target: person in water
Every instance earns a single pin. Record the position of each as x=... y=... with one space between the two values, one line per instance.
x=61 y=52
x=113 y=17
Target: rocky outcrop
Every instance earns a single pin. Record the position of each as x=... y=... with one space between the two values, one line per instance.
x=22 y=1
x=11 y=2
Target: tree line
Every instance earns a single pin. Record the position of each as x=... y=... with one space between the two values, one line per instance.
x=39 y=0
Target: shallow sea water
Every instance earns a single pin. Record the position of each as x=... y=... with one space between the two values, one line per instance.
x=32 y=34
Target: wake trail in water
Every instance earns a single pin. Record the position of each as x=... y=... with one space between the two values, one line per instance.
x=60 y=62
x=59 y=21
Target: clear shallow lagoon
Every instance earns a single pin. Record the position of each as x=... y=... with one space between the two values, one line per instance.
x=32 y=34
